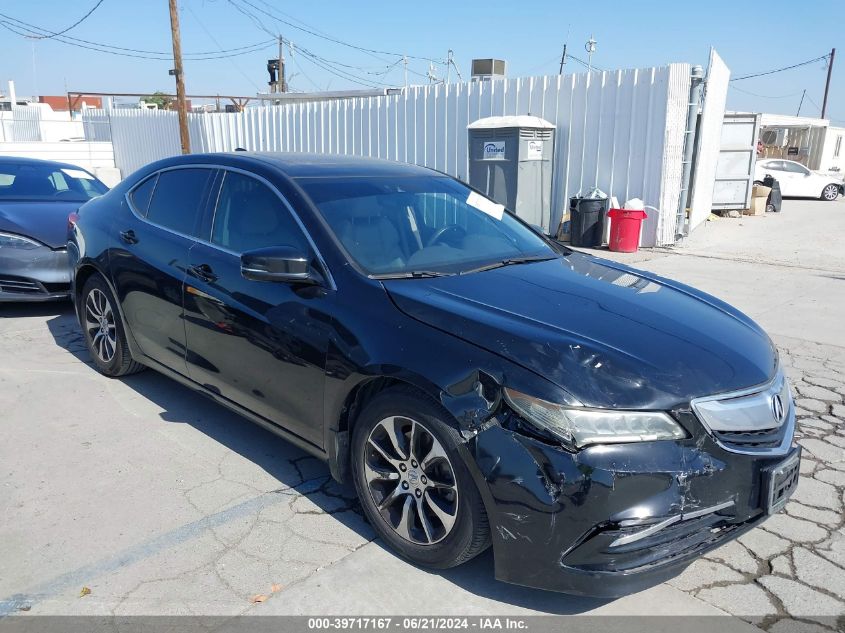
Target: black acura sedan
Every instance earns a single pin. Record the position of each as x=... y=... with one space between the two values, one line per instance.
x=479 y=383
x=36 y=197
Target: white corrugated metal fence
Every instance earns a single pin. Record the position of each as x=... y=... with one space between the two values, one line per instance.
x=622 y=131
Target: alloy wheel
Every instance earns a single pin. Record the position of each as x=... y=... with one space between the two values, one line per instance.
x=100 y=326
x=411 y=480
x=830 y=192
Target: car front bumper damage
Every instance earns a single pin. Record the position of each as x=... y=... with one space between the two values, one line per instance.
x=610 y=520
x=39 y=274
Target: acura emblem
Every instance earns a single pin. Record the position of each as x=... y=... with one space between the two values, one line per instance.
x=777 y=408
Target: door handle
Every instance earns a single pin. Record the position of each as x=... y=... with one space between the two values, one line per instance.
x=202 y=271
x=128 y=236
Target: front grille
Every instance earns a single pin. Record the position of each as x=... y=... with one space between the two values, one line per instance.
x=757 y=420
x=763 y=438
x=20 y=285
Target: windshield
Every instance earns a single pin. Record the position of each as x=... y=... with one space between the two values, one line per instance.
x=397 y=226
x=22 y=181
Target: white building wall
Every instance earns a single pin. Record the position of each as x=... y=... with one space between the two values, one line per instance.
x=833 y=151
x=37 y=122
x=98 y=158
x=621 y=131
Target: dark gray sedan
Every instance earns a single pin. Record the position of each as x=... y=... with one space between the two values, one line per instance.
x=36 y=197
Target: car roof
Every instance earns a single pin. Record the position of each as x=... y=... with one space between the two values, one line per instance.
x=23 y=160
x=310 y=165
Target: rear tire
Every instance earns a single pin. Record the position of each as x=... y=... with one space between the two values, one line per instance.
x=830 y=192
x=103 y=330
x=414 y=487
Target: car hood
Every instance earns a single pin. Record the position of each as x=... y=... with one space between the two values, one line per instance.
x=42 y=221
x=609 y=335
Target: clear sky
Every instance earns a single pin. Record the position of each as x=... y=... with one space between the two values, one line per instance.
x=529 y=34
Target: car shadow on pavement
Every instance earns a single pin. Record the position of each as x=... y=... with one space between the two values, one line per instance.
x=293 y=467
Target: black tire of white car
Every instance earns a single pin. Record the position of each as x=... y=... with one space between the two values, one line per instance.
x=470 y=533
x=98 y=305
x=830 y=192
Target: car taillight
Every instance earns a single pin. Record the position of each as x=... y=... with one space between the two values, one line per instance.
x=72 y=219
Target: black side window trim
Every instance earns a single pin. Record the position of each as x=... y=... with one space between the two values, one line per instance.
x=202 y=208
x=209 y=207
x=130 y=196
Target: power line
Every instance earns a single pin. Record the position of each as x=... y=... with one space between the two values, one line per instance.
x=214 y=40
x=303 y=73
x=32 y=31
x=528 y=71
x=584 y=64
x=258 y=23
x=336 y=68
x=810 y=99
x=780 y=70
x=754 y=94
x=361 y=81
x=333 y=39
x=75 y=24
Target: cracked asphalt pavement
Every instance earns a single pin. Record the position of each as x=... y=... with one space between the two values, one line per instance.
x=161 y=502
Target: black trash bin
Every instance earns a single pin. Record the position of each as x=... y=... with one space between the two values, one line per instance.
x=775 y=200
x=588 y=218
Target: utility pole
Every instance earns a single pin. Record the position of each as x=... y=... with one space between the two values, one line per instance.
x=283 y=84
x=590 y=47
x=562 y=60
x=431 y=76
x=800 y=103
x=181 y=104
x=448 y=65
x=405 y=64
x=827 y=82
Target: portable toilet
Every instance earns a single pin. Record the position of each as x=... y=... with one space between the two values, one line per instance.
x=510 y=160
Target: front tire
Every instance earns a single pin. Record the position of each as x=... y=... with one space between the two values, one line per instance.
x=830 y=192
x=414 y=487
x=103 y=330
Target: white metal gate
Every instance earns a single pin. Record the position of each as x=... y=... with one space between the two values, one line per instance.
x=737 y=157
x=709 y=140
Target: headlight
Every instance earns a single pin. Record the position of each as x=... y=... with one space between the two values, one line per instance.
x=581 y=427
x=8 y=240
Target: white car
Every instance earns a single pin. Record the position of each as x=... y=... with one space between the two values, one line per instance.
x=796 y=180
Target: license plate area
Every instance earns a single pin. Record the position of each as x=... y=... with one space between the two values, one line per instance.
x=781 y=480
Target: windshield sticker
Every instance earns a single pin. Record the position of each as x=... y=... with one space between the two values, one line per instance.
x=78 y=173
x=489 y=207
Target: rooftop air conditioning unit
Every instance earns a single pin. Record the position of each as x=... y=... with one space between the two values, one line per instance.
x=488 y=69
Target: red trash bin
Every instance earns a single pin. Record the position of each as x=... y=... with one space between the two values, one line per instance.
x=625 y=229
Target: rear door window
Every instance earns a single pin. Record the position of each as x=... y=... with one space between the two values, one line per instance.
x=178 y=199
x=795 y=168
x=250 y=215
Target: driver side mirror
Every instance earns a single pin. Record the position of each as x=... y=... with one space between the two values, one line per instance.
x=278 y=263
